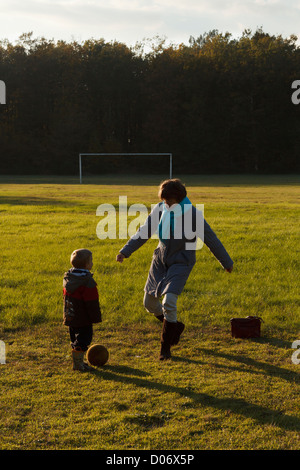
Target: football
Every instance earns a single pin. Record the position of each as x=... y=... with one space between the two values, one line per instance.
x=97 y=355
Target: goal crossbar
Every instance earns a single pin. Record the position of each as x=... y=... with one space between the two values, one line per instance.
x=122 y=154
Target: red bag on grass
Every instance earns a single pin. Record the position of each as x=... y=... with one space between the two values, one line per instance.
x=248 y=327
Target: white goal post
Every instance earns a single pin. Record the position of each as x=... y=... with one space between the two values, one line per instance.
x=122 y=154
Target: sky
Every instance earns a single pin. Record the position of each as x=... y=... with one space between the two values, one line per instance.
x=131 y=21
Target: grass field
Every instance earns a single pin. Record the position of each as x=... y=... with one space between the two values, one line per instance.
x=217 y=392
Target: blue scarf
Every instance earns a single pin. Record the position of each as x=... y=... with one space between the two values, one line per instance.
x=168 y=218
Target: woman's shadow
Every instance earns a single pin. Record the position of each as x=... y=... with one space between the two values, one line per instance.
x=127 y=375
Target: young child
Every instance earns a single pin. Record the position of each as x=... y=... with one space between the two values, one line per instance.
x=81 y=305
x=174 y=258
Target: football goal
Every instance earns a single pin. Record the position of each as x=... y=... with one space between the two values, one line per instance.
x=123 y=155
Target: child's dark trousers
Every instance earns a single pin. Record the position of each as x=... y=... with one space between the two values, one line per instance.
x=81 y=337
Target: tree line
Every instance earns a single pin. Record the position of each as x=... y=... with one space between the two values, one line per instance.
x=219 y=104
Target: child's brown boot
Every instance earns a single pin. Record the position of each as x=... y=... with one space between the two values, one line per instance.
x=178 y=330
x=160 y=317
x=78 y=363
x=167 y=338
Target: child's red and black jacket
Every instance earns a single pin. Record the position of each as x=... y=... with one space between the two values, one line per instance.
x=81 y=299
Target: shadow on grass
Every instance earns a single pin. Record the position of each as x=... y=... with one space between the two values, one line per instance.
x=265 y=368
x=239 y=406
x=277 y=342
x=35 y=201
x=126 y=370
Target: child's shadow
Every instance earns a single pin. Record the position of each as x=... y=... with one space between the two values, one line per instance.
x=127 y=371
